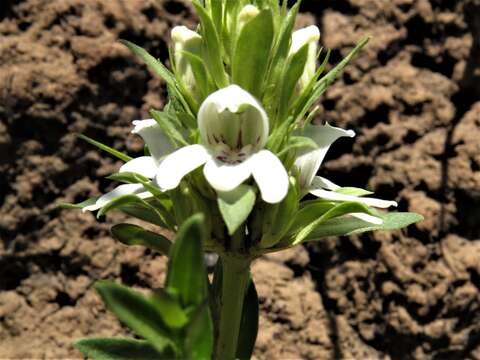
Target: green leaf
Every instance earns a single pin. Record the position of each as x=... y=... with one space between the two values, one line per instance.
x=169 y=308
x=130 y=234
x=350 y=225
x=187 y=276
x=251 y=55
x=336 y=211
x=249 y=324
x=80 y=205
x=106 y=148
x=212 y=47
x=353 y=191
x=131 y=204
x=199 y=339
x=135 y=311
x=117 y=349
x=151 y=62
x=143 y=213
x=236 y=205
x=309 y=212
x=293 y=71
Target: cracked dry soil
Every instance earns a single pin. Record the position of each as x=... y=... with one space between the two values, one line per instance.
x=413 y=97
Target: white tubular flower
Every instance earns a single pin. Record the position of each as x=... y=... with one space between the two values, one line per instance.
x=159 y=146
x=188 y=40
x=325 y=189
x=309 y=35
x=309 y=162
x=233 y=129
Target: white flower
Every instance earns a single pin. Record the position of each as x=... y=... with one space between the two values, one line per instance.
x=188 y=40
x=158 y=145
x=234 y=130
x=309 y=163
x=309 y=35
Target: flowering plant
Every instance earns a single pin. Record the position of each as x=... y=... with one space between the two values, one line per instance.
x=230 y=164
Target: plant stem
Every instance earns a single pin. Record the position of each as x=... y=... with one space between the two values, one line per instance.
x=235 y=278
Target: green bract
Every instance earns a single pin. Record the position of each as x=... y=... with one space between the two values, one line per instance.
x=229 y=162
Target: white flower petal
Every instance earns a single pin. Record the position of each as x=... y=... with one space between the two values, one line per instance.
x=367 y=218
x=158 y=143
x=143 y=165
x=310 y=34
x=270 y=176
x=321 y=182
x=334 y=196
x=121 y=190
x=226 y=177
x=247 y=123
x=178 y=164
x=309 y=162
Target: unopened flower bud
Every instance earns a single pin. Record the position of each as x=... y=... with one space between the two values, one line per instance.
x=187 y=40
x=247 y=13
x=309 y=35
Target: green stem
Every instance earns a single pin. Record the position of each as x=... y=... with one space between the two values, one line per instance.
x=235 y=278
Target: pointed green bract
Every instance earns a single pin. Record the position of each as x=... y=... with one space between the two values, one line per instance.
x=106 y=148
x=130 y=234
x=252 y=52
x=235 y=206
x=79 y=205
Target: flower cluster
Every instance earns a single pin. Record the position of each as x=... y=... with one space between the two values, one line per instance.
x=239 y=121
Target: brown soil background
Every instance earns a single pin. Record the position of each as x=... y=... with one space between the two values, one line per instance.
x=413 y=97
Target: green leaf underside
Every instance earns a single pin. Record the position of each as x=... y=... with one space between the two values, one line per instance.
x=236 y=205
x=187 y=275
x=80 y=205
x=118 y=349
x=135 y=311
x=350 y=225
x=130 y=234
x=106 y=148
x=252 y=52
x=249 y=324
